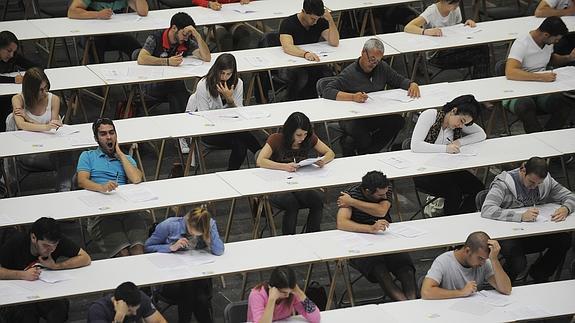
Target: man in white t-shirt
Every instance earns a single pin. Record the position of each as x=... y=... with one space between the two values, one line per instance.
x=559 y=8
x=528 y=58
x=458 y=273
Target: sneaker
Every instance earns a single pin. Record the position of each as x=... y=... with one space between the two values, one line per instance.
x=184 y=147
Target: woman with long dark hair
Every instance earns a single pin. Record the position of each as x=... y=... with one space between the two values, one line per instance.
x=221 y=88
x=283 y=151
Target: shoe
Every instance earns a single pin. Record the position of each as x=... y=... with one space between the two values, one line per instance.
x=184 y=146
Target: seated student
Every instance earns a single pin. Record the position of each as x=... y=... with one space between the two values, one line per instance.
x=367 y=74
x=102 y=170
x=105 y=9
x=230 y=36
x=127 y=304
x=222 y=88
x=194 y=231
x=445 y=13
x=23 y=257
x=365 y=208
x=10 y=61
x=168 y=47
x=529 y=185
x=559 y=8
x=445 y=131
x=283 y=151
x=278 y=298
x=36 y=109
x=303 y=28
x=529 y=56
x=461 y=272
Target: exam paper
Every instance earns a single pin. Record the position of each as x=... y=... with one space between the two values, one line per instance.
x=95 y=199
x=308 y=161
x=319 y=48
x=459 y=30
x=136 y=193
x=471 y=306
x=399 y=95
x=405 y=230
x=257 y=61
x=166 y=261
x=493 y=298
x=396 y=162
x=54 y=276
x=522 y=312
x=545 y=211
x=351 y=240
x=197 y=257
x=252 y=113
x=440 y=160
x=32 y=136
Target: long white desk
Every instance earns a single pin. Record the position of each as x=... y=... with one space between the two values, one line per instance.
x=22 y=29
x=266 y=253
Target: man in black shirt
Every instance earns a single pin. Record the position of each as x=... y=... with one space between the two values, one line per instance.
x=365 y=208
x=128 y=304
x=308 y=26
x=24 y=256
x=168 y=47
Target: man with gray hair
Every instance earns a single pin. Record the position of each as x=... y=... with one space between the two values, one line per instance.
x=460 y=272
x=369 y=73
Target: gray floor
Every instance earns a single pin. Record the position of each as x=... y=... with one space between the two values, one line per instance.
x=42 y=182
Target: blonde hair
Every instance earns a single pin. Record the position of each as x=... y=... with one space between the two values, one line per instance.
x=199 y=219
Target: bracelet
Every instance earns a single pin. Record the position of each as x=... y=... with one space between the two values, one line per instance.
x=305 y=54
x=423 y=31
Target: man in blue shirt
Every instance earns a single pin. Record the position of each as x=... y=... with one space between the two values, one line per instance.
x=102 y=170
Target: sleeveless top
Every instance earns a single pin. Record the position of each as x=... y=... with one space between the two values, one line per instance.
x=45 y=117
x=433 y=132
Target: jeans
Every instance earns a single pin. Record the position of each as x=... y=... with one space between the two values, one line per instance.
x=293 y=201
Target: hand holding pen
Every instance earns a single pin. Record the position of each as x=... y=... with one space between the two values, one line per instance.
x=452 y=147
x=292 y=166
x=18 y=78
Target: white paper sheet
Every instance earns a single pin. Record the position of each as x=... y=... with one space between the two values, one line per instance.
x=442 y=159
x=351 y=240
x=459 y=30
x=257 y=61
x=405 y=230
x=521 y=312
x=191 y=61
x=198 y=257
x=396 y=162
x=136 y=193
x=54 y=276
x=319 y=48
x=166 y=261
x=470 y=306
x=33 y=136
x=66 y=130
x=309 y=161
x=399 y=95
x=545 y=211
x=114 y=75
x=95 y=199
x=252 y=113
x=493 y=298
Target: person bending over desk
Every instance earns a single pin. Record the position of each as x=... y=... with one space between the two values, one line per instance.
x=127 y=304
x=559 y=8
x=444 y=131
x=369 y=73
x=105 y=9
x=527 y=186
x=278 y=298
x=527 y=60
x=10 y=61
x=102 y=170
x=194 y=231
x=445 y=13
x=306 y=27
x=365 y=208
x=461 y=272
x=25 y=256
x=222 y=88
x=36 y=109
x=283 y=151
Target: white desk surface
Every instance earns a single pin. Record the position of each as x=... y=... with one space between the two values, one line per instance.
x=439 y=232
x=341 y=171
x=160 y=19
x=269 y=58
x=555 y=298
x=267 y=253
x=490 y=32
x=22 y=29
x=63 y=78
x=561 y=140
x=70 y=205
x=370 y=313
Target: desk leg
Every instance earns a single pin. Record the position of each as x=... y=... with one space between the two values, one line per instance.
x=270 y=216
x=190 y=157
x=5 y=176
x=308 y=277
x=128 y=108
x=347 y=280
x=160 y=159
x=144 y=105
x=200 y=150
x=396 y=202
x=105 y=101
x=230 y=220
x=565 y=172
x=363 y=24
x=51 y=52
x=244 y=285
x=257 y=219
x=331 y=293
x=425 y=68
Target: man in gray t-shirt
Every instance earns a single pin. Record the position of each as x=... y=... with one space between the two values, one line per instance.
x=457 y=273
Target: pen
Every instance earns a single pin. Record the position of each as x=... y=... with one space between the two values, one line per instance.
x=117 y=176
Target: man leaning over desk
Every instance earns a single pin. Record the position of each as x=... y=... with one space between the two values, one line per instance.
x=527 y=186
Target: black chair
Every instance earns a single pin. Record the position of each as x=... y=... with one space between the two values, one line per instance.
x=272 y=84
x=236 y=312
x=480 y=198
x=330 y=127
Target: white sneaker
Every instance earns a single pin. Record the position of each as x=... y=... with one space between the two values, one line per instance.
x=184 y=145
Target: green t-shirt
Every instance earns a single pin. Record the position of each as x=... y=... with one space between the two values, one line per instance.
x=99 y=5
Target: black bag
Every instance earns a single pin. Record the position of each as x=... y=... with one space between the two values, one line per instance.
x=316 y=292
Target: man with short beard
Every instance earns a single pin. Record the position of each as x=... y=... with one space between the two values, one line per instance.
x=102 y=170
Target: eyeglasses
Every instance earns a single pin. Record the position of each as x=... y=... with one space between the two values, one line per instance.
x=371 y=59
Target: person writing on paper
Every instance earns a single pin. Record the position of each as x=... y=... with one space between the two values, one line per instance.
x=10 y=61
x=283 y=151
x=310 y=25
x=127 y=304
x=222 y=88
x=559 y=8
x=36 y=109
x=25 y=255
x=369 y=73
x=278 y=298
x=194 y=231
x=229 y=36
x=365 y=208
x=528 y=186
x=461 y=272
x=103 y=170
x=104 y=10
x=445 y=13
x=446 y=130
x=169 y=47
x=527 y=60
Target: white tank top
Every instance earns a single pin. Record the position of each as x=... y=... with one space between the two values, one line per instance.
x=45 y=117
